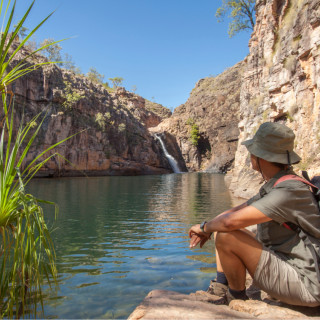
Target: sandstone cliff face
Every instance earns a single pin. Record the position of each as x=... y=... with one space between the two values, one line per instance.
x=281 y=82
x=112 y=136
x=213 y=107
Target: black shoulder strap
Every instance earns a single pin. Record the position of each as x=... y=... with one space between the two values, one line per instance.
x=313 y=187
x=315 y=254
x=302 y=234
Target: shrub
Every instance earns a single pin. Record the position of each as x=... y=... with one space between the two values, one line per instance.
x=71 y=95
x=100 y=120
x=122 y=127
x=194 y=135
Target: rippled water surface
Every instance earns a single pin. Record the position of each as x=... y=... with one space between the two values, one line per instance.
x=117 y=238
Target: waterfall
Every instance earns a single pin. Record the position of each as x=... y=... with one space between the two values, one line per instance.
x=172 y=161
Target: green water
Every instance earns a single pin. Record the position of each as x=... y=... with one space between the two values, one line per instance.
x=117 y=238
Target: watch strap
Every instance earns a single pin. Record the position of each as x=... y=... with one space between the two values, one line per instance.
x=202 y=226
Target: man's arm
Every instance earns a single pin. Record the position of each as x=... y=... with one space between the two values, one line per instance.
x=227 y=221
x=235 y=220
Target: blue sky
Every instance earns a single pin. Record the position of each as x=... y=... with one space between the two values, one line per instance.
x=163 y=47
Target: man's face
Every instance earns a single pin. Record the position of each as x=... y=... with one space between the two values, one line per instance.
x=254 y=162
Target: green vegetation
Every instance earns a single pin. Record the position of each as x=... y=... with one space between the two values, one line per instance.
x=122 y=127
x=71 y=95
x=69 y=64
x=289 y=117
x=102 y=119
x=241 y=12
x=157 y=109
x=134 y=88
x=194 y=132
x=52 y=50
x=116 y=82
x=27 y=254
x=22 y=32
x=95 y=76
x=194 y=135
x=265 y=115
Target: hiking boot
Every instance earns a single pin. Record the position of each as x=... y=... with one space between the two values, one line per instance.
x=230 y=297
x=218 y=289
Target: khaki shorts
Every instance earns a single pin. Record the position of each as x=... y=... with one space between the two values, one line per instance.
x=281 y=281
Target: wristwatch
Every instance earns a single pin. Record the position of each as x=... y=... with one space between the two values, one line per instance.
x=202 y=226
x=202 y=229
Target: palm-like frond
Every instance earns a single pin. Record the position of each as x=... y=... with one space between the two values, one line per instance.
x=8 y=53
x=27 y=257
x=27 y=250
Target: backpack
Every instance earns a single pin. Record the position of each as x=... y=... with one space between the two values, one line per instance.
x=308 y=239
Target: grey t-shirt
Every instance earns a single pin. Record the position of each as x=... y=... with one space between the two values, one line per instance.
x=291 y=201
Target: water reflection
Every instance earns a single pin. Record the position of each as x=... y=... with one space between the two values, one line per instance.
x=117 y=238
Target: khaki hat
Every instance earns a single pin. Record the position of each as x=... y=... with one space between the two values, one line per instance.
x=273 y=142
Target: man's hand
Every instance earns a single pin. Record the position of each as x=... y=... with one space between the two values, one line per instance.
x=196 y=236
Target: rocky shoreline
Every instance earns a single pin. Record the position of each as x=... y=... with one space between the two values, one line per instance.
x=163 y=304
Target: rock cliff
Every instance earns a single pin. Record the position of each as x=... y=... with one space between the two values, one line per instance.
x=278 y=81
x=210 y=116
x=281 y=82
x=112 y=136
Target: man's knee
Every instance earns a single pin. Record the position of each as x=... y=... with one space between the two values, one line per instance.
x=223 y=239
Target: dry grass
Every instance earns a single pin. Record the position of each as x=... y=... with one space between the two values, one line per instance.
x=290 y=63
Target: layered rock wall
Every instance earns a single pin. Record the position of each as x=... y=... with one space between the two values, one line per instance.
x=213 y=110
x=110 y=130
x=281 y=82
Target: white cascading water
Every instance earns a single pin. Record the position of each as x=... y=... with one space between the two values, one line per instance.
x=171 y=159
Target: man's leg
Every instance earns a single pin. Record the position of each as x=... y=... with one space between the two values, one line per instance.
x=218 y=263
x=238 y=251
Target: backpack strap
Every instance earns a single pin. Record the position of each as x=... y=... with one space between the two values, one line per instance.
x=305 y=238
x=302 y=234
x=294 y=177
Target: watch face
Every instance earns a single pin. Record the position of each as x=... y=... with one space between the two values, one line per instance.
x=202 y=225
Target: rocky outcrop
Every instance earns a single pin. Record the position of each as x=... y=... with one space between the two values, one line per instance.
x=164 y=304
x=110 y=129
x=212 y=114
x=281 y=82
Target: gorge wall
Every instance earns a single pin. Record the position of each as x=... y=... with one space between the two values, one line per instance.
x=110 y=128
x=212 y=110
x=278 y=81
x=281 y=82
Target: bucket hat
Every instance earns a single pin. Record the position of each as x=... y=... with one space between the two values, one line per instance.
x=273 y=142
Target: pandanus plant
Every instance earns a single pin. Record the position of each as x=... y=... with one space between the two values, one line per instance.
x=27 y=258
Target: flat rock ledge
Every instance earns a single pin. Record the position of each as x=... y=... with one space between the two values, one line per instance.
x=163 y=304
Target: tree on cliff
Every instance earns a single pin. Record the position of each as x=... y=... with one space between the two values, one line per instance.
x=95 y=76
x=22 y=32
x=52 y=49
x=69 y=64
x=242 y=15
x=116 y=81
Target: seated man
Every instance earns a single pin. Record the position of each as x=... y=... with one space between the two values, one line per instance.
x=277 y=259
